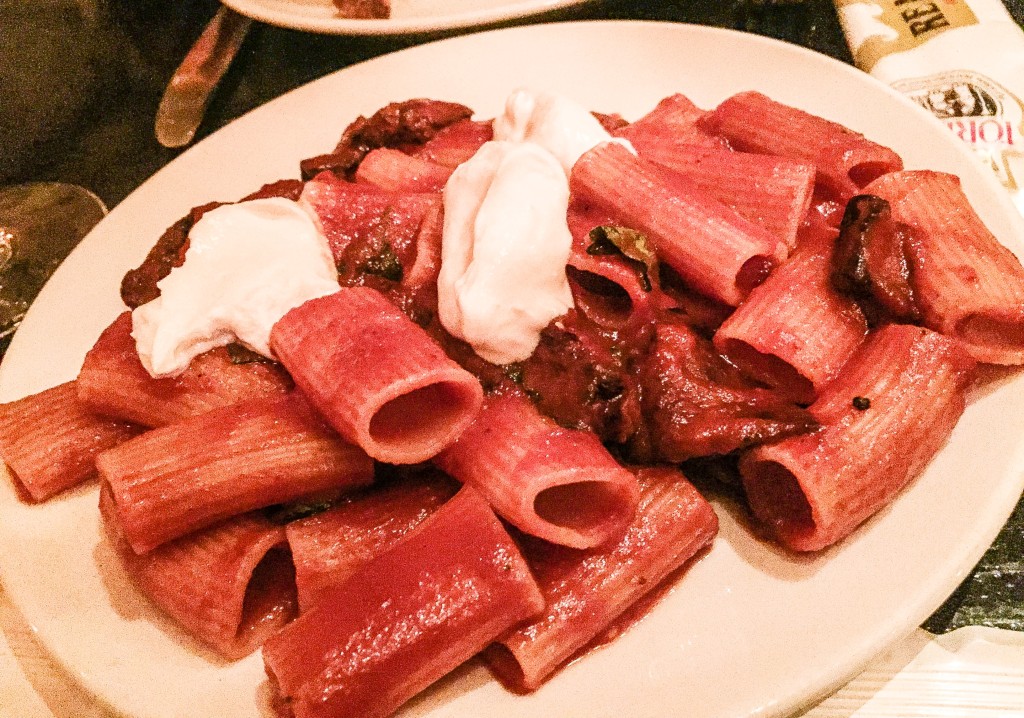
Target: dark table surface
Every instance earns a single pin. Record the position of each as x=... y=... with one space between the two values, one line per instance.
x=80 y=81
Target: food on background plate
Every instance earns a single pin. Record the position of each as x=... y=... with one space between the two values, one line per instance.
x=363 y=9
x=422 y=482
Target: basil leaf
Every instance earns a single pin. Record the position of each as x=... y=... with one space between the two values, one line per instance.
x=385 y=264
x=513 y=371
x=281 y=514
x=632 y=245
x=240 y=354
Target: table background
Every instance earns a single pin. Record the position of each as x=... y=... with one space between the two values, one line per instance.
x=80 y=81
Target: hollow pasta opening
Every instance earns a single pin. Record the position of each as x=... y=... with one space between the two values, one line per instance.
x=754 y=271
x=992 y=333
x=777 y=499
x=506 y=667
x=769 y=370
x=270 y=598
x=602 y=300
x=580 y=505
x=421 y=415
x=864 y=173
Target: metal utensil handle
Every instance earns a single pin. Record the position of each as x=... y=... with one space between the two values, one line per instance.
x=189 y=91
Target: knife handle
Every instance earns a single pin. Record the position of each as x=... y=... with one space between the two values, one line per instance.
x=189 y=91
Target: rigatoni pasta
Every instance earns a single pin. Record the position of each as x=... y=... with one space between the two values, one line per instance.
x=394 y=392
x=773 y=192
x=423 y=503
x=407 y=617
x=585 y=594
x=230 y=586
x=329 y=546
x=968 y=285
x=186 y=476
x=883 y=419
x=845 y=160
x=49 y=440
x=559 y=484
x=795 y=331
x=113 y=383
x=711 y=245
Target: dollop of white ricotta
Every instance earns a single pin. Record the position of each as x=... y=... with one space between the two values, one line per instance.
x=506 y=240
x=247 y=265
x=564 y=128
x=504 y=249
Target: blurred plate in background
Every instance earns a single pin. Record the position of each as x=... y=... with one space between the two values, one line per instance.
x=407 y=16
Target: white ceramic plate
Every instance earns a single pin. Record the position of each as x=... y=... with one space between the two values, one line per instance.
x=751 y=630
x=407 y=16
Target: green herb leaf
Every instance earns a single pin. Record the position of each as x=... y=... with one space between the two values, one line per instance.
x=385 y=264
x=607 y=387
x=240 y=354
x=282 y=514
x=631 y=244
x=513 y=371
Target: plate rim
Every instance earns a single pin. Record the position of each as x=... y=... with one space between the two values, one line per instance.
x=267 y=11
x=862 y=656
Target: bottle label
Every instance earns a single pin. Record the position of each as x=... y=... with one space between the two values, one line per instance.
x=981 y=112
x=876 y=28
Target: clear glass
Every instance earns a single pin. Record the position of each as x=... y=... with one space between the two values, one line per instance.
x=40 y=223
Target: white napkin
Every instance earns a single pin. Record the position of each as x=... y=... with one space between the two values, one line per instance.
x=972 y=672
